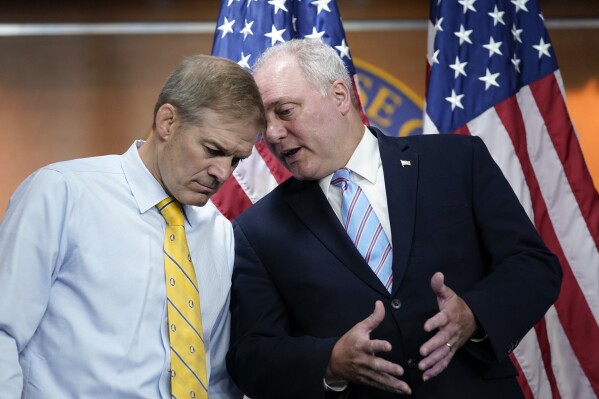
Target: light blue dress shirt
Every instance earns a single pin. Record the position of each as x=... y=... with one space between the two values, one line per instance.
x=82 y=290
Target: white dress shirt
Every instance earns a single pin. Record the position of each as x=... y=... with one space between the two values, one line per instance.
x=367 y=172
x=82 y=290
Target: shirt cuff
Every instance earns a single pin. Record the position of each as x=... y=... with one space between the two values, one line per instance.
x=480 y=336
x=335 y=386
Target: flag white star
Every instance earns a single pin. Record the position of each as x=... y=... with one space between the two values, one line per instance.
x=493 y=47
x=230 y=2
x=520 y=5
x=497 y=16
x=434 y=59
x=243 y=62
x=226 y=27
x=343 y=50
x=490 y=79
x=315 y=34
x=542 y=48
x=275 y=35
x=278 y=4
x=438 y=23
x=516 y=61
x=468 y=5
x=516 y=33
x=455 y=100
x=247 y=29
x=458 y=67
x=322 y=5
x=464 y=35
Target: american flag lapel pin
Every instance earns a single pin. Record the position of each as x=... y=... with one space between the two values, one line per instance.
x=405 y=163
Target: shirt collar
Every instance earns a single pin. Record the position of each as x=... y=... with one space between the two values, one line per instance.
x=145 y=188
x=361 y=161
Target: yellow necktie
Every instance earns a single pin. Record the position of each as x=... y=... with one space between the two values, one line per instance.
x=188 y=357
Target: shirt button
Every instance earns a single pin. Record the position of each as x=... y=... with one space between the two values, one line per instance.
x=412 y=364
x=396 y=304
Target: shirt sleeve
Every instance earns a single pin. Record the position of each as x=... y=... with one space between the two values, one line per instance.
x=32 y=245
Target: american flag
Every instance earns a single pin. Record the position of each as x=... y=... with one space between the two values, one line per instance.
x=492 y=72
x=245 y=28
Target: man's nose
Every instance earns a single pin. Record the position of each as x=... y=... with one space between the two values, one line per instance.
x=275 y=132
x=221 y=169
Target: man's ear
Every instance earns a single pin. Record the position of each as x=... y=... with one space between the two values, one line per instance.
x=342 y=96
x=165 y=120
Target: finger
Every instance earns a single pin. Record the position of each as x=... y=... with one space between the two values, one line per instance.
x=437 y=367
x=442 y=291
x=434 y=357
x=377 y=345
x=373 y=321
x=380 y=365
x=438 y=283
x=385 y=382
x=439 y=320
x=438 y=341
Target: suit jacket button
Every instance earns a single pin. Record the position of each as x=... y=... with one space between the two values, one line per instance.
x=396 y=304
x=412 y=363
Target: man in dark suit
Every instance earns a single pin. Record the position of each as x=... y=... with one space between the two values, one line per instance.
x=469 y=274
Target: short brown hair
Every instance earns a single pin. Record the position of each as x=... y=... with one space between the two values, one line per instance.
x=219 y=84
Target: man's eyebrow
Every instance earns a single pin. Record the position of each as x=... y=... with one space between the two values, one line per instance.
x=226 y=152
x=278 y=102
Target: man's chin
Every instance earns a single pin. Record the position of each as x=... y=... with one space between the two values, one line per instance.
x=196 y=199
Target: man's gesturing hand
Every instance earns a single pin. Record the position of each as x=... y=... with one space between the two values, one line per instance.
x=455 y=323
x=354 y=357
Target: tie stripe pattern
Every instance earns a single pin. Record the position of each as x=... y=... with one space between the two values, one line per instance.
x=188 y=357
x=364 y=228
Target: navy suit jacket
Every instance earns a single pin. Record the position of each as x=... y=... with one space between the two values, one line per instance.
x=299 y=283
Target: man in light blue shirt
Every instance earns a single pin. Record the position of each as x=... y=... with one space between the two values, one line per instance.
x=82 y=285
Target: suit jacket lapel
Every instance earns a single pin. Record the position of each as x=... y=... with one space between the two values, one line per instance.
x=312 y=208
x=401 y=185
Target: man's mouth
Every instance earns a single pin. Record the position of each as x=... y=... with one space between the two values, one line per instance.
x=290 y=153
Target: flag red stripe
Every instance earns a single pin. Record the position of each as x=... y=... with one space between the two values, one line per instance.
x=551 y=104
x=571 y=296
x=230 y=199
x=277 y=170
x=521 y=377
x=462 y=130
x=356 y=92
x=510 y=115
x=540 y=328
x=543 y=340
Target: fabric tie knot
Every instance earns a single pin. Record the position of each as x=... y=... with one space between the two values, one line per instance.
x=171 y=211
x=341 y=178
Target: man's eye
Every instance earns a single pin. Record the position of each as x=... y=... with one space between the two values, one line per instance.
x=214 y=152
x=285 y=112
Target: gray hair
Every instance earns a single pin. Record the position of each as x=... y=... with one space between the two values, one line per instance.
x=207 y=82
x=319 y=62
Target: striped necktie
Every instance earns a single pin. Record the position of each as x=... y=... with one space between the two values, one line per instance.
x=364 y=228
x=186 y=336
